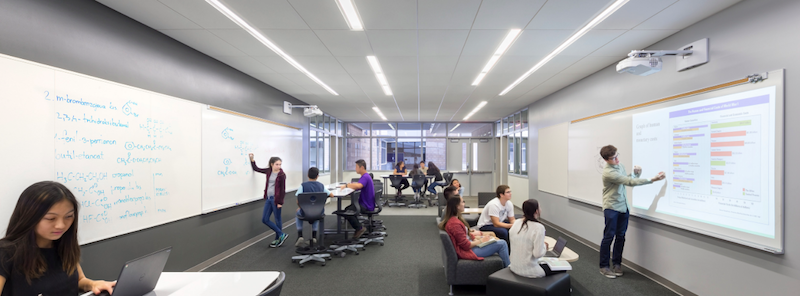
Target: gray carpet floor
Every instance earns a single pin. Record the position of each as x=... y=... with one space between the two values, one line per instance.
x=409 y=263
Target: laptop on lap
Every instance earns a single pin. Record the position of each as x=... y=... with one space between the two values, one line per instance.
x=140 y=276
x=557 y=249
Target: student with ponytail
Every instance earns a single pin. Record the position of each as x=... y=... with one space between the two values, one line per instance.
x=527 y=240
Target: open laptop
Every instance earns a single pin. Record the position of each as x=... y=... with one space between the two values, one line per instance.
x=140 y=276
x=557 y=249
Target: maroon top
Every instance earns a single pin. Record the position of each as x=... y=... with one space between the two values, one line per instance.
x=458 y=234
x=280 y=182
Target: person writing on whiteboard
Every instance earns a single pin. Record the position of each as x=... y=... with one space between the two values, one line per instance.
x=366 y=200
x=498 y=214
x=40 y=254
x=615 y=208
x=274 y=193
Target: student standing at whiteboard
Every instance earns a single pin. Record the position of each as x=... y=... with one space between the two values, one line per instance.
x=40 y=254
x=615 y=208
x=274 y=193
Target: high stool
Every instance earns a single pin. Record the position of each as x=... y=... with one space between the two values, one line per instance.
x=338 y=247
x=313 y=206
x=372 y=236
x=417 y=182
x=396 y=182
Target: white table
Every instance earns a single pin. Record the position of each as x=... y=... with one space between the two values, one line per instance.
x=213 y=283
x=567 y=254
x=338 y=194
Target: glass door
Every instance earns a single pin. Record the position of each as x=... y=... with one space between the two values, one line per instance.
x=472 y=162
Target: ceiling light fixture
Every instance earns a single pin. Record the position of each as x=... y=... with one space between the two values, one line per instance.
x=512 y=35
x=475 y=110
x=594 y=22
x=376 y=67
x=261 y=38
x=350 y=13
x=379 y=112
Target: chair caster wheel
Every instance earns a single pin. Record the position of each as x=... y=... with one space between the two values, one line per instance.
x=323 y=264
x=301 y=265
x=381 y=244
x=341 y=254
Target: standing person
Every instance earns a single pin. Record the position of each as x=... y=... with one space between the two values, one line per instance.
x=367 y=198
x=437 y=179
x=498 y=214
x=467 y=241
x=309 y=187
x=274 y=194
x=400 y=169
x=527 y=236
x=40 y=254
x=615 y=208
x=457 y=184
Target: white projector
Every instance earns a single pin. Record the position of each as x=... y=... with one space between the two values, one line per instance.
x=312 y=112
x=641 y=66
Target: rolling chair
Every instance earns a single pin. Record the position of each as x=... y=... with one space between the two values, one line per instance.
x=313 y=206
x=484 y=198
x=372 y=236
x=338 y=247
x=417 y=182
x=395 y=181
x=275 y=288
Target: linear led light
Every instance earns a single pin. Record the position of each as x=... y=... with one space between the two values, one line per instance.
x=379 y=112
x=376 y=67
x=455 y=127
x=391 y=126
x=512 y=35
x=475 y=110
x=350 y=13
x=594 y=22
x=255 y=33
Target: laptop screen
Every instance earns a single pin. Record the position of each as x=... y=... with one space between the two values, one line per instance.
x=560 y=244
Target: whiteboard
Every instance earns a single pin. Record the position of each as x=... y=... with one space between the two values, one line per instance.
x=128 y=155
x=228 y=179
x=553 y=159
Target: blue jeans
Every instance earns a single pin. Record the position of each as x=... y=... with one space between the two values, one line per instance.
x=432 y=188
x=500 y=247
x=269 y=208
x=299 y=223
x=500 y=232
x=616 y=226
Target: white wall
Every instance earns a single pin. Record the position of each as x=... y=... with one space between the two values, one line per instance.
x=519 y=189
x=750 y=37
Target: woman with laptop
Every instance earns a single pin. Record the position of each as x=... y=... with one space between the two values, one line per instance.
x=527 y=240
x=40 y=254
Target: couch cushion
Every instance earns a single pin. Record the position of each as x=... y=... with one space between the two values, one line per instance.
x=505 y=282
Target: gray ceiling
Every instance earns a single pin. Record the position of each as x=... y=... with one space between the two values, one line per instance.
x=430 y=50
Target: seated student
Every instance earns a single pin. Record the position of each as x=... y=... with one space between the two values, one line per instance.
x=308 y=187
x=449 y=192
x=457 y=184
x=498 y=214
x=40 y=254
x=414 y=172
x=367 y=198
x=466 y=240
x=424 y=172
x=437 y=180
x=400 y=169
x=527 y=238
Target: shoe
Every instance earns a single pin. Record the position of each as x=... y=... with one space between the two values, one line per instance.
x=300 y=242
x=273 y=244
x=608 y=273
x=314 y=242
x=282 y=239
x=617 y=270
x=359 y=232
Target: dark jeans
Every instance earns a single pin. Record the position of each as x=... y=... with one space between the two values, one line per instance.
x=404 y=184
x=500 y=232
x=352 y=219
x=616 y=226
x=269 y=208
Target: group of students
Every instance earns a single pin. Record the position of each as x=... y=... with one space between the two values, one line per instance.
x=420 y=169
x=526 y=236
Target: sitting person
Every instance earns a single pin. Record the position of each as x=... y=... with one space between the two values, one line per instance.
x=414 y=172
x=527 y=237
x=366 y=200
x=437 y=177
x=449 y=192
x=40 y=254
x=498 y=214
x=457 y=184
x=466 y=240
x=309 y=187
x=400 y=169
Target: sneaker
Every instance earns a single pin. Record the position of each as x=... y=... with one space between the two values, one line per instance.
x=617 y=270
x=359 y=232
x=300 y=242
x=282 y=239
x=314 y=242
x=273 y=244
x=608 y=273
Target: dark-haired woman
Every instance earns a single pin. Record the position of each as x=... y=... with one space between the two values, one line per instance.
x=274 y=194
x=527 y=240
x=466 y=241
x=400 y=169
x=40 y=254
x=437 y=177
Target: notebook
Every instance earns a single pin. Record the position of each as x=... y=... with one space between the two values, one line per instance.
x=139 y=276
x=557 y=249
x=489 y=242
x=555 y=264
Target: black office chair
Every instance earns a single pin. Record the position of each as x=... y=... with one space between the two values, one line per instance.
x=417 y=182
x=396 y=182
x=448 y=177
x=372 y=236
x=338 y=247
x=275 y=288
x=484 y=198
x=313 y=206
x=355 y=180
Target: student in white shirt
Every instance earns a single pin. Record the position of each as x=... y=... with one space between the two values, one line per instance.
x=498 y=214
x=527 y=236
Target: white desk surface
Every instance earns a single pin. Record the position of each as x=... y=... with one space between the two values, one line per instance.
x=341 y=192
x=213 y=283
x=473 y=210
x=566 y=255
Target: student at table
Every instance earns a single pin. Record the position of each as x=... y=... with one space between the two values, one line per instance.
x=424 y=172
x=527 y=238
x=457 y=184
x=309 y=187
x=466 y=240
x=437 y=180
x=274 y=193
x=40 y=254
x=498 y=214
x=400 y=169
x=450 y=191
x=367 y=198
x=416 y=171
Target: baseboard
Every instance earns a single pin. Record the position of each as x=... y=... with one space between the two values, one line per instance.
x=630 y=265
x=236 y=249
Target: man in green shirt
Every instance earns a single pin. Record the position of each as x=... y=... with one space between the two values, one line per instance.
x=615 y=208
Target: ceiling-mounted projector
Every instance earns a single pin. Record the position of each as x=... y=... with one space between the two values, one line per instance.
x=308 y=110
x=646 y=62
x=312 y=112
x=642 y=66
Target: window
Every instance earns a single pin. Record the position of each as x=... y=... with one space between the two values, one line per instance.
x=434 y=150
x=356 y=148
x=326 y=153
x=339 y=128
x=464 y=157
x=312 y=149
x=469 y=130
x=516 y=151
x=524 y=119
x=409 y=130
x=384 y=154
x=409 y=150
x=511 y=154
x=523 y=165
x=358 y=129
x=381 y=129
x=434 y=129
x=326 y=123
x=474 y=156
x=505 y=125
x=499 y=124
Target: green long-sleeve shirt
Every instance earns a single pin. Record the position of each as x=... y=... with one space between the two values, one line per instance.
x=615 y=178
